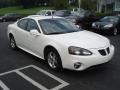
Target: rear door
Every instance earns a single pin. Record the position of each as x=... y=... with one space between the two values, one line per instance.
x=22 y=33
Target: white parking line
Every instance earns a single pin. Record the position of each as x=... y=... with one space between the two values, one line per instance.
x=31 y=81
x=3 y=86
x=63 y=83
x=5 y=73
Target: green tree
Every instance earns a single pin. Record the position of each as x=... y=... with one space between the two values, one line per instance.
x=89 y=4
x=61 y=4
x=26 y=3
x=6 y=3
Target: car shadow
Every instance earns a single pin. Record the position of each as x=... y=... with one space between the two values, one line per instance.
x=92 y=71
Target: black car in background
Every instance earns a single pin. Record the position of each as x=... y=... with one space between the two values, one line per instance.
x=86 y=18
x=108 y=24
x=68 y=15
x=10 y=17
x=62 y=13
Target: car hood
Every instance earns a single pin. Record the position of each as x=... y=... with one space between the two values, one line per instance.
x=104 y=23
x=83 y=39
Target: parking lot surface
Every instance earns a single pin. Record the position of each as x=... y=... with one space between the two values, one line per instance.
x=22 y=71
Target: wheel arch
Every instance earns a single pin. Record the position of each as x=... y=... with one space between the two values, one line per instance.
x=10 y=35
x=47 y=48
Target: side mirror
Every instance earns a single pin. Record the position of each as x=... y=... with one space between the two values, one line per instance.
x=34 y=32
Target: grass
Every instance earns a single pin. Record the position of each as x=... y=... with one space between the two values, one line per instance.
x=25 y=12
x=20 y=10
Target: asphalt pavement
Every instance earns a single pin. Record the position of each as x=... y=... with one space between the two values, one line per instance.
x=22 y=71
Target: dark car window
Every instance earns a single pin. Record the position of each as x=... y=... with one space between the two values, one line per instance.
x=110 y=19
x=23 y=24
x=16 y=15
x=53 y=12
x=12 y=15
x=32 y=25
x=62 y=13
x=48 y=13
x=9 y=15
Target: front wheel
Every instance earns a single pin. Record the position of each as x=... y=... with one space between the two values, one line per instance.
x=54 y=60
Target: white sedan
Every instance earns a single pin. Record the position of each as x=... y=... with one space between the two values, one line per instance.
x=46 y=12
x=59 y=42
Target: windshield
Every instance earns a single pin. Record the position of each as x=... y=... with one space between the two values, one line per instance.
x=57 y=26
x=9 y=14
x=41 y=13
x=110 y=19
x=79 y=14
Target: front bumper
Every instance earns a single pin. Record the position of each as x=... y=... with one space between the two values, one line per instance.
x=87 y=61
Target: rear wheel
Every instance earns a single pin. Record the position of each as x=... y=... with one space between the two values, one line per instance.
x=4 y=20
x=13 y=43
x=115 y=31
x=53 y=60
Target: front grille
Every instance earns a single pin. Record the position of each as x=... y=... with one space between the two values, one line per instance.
x=108 y=50
x=104 y=52
x=99 y=26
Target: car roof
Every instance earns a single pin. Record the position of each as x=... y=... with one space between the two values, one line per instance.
x=39 y=17
x=47 y=10
x=111 y=16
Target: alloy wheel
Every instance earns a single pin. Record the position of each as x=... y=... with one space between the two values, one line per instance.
x=52 y=60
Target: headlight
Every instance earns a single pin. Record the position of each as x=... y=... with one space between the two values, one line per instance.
x=93 y=25
x=79 y=51
x=108 y=26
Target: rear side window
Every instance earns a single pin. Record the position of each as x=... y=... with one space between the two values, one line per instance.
x=23 y=24
x=48 y=13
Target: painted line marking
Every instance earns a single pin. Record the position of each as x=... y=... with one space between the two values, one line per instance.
x=62 y=85
x=12 y=71
x=3 y=86
x=31 y=81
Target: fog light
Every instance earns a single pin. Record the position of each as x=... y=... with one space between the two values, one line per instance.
x=77 y=65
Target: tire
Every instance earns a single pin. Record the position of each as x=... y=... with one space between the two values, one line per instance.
x=54 y=60
x=4 y=20
x=115 y=31
x=13 y=43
